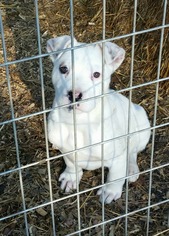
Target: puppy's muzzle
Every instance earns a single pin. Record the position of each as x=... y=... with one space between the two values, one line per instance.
x=78 y=97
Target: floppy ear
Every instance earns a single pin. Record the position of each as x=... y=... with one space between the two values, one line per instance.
x=55 y=44
x=114 y=55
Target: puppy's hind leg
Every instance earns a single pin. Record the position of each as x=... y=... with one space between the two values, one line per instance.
x=133 y=167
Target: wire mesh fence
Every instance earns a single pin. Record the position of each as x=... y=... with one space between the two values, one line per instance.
x=32 y=202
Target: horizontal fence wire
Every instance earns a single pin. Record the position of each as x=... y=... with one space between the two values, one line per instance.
x=85 y=45
x=154 y=82
x=46 y=110
x=80 y=149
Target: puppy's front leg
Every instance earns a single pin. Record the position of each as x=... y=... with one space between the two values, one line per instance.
x=117 y=171
x=68 y=177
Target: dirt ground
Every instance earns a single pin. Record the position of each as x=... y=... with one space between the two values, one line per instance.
x=19 y=22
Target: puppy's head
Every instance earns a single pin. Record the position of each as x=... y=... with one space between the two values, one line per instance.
x=78 y=76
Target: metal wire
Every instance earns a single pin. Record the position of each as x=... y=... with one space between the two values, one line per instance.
x=44 y=116
x=79 y=149
x=155 y=116
x=74 y=113
x=96 y=97
x=14 y=127
x=86 y=45
x=129 y=112
x=89 y=190
x=102 y=110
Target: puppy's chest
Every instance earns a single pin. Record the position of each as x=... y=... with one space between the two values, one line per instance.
x=86 y=135
x=88 y=138
x=83 y=135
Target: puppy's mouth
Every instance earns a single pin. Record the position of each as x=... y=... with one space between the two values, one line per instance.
x=78 y=97
x=77 y=106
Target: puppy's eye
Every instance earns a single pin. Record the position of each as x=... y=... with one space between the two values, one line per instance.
x=96 y=74
x=63 y=69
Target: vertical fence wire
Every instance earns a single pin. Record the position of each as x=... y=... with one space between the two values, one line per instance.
x=129 y=113
x=155 y=115
x=102 y=110
x=44 y=115
x=74 y=113
x=14 y=125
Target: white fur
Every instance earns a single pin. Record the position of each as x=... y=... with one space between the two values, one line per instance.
x=88 y=60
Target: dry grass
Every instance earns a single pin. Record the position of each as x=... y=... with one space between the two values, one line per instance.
x=21 y=42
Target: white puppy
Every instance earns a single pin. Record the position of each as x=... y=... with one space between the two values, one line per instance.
x=88 y=83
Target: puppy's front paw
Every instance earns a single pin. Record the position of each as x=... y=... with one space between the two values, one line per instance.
x=68 y=180
x=55 y=147
x=110 y=192
x=133 y=169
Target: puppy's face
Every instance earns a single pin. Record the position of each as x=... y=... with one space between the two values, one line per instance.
x=81 y=80
x=85 y=76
